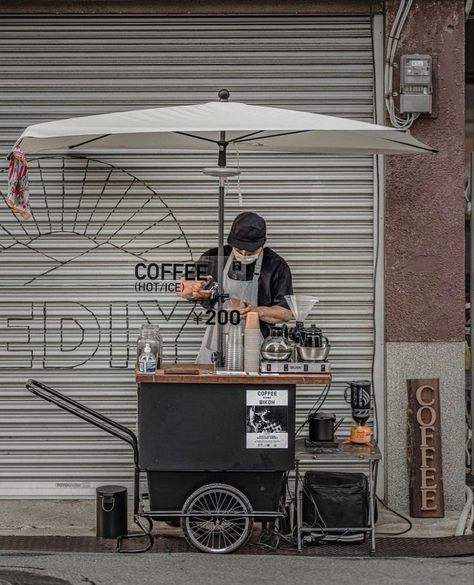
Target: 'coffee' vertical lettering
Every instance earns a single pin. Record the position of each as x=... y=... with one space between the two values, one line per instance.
x=424 y=449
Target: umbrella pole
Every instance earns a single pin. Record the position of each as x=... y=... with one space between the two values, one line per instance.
x=220 y=258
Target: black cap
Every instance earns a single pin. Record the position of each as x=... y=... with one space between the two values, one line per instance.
x=248 y=232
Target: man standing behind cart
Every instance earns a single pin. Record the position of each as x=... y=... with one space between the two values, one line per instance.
x=255 y=277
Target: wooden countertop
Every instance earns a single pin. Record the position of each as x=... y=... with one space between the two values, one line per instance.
x=205 y=375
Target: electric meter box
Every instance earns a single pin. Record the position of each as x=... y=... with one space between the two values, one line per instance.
x=416 y=84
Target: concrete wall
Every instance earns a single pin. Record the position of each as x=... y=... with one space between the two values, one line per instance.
x=424 y=251
x=431 y=360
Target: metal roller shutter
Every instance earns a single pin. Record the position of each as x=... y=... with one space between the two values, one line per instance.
x=69 y=312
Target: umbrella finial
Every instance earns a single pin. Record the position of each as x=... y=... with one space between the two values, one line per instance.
x=224 y=95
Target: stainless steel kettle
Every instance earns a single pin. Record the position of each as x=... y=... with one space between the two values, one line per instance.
x=312 y=336
x=313 y=345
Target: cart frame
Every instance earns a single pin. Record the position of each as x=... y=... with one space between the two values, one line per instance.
x=370 y=458
x=123 y=433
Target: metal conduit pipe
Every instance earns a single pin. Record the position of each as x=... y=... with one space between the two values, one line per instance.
x=468 y=508
x=468 y=8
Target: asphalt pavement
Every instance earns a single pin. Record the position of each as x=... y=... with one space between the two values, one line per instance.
x=197 y=569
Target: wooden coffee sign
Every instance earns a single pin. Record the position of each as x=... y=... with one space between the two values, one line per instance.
x=424 y=449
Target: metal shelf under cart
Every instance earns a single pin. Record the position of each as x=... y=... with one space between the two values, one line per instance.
x=342 y=454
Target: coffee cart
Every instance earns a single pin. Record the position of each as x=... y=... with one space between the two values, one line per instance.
x=209 y=462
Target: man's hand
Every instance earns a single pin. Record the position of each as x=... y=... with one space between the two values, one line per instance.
x=249 y=308
x=193 y=289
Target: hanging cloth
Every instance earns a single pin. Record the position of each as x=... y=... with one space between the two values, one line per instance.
x=18 y=197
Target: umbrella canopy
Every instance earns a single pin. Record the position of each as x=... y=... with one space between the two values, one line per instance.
x=200 y=126
x=216 y=125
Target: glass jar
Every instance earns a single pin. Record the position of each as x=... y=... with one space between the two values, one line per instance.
x=159 y=353
x=149 y=349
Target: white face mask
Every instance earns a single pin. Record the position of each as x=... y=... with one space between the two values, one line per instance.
x=245 y=259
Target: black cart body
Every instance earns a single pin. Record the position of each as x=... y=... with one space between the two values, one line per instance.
x=190 y=435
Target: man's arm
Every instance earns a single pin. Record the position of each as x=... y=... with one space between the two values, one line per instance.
x=278 y=311
x=271 y=315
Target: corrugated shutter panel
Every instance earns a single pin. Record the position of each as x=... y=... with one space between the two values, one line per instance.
x=69 y=313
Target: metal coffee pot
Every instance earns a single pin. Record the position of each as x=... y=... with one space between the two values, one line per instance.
x=276 y=346
x=313 y=345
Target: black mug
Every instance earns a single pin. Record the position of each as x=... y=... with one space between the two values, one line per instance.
x=359 y=400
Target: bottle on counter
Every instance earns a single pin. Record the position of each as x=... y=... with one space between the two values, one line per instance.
x=147 y=361
x=149 y=349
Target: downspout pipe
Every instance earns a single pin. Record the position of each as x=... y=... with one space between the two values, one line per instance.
x=468 y=508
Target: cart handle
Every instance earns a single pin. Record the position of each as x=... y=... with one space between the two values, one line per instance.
x=85 y=413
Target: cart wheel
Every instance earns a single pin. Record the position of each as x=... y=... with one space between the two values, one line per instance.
x=219 y=528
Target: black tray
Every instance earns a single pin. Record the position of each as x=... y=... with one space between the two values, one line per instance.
x=321 y=444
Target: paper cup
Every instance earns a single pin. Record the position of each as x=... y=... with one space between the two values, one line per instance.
x=252 y=342
x=252 y=321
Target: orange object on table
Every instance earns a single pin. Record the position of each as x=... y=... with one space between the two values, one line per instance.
x=360 y=435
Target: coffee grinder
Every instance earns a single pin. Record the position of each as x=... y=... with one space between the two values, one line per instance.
x=360 y=401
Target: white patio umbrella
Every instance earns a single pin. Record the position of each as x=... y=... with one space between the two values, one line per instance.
x=201 y=125
x=221 y=124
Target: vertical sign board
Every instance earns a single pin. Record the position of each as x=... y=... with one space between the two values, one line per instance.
x=424 y=449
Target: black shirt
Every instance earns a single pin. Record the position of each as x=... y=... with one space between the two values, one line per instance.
x=274 y=282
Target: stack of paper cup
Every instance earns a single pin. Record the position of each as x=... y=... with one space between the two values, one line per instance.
x=252 y=342
x=235 y=351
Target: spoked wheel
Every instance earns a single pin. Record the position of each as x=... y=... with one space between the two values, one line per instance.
x=222 y=523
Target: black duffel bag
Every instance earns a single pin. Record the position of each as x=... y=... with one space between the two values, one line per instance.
x=336 y=500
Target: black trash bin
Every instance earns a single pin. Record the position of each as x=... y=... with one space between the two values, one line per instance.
x=111 y=506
